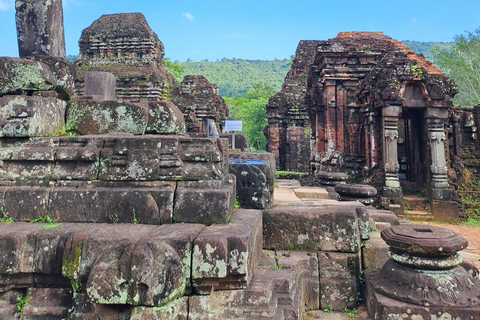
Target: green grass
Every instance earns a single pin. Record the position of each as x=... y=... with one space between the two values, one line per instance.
x=50 y=226
x=45 y=219
x=472 y=222
x=6 y=220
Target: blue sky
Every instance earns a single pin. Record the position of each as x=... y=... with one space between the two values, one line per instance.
x=214 y=29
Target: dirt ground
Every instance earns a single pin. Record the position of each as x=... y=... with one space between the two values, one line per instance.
x=472 y=234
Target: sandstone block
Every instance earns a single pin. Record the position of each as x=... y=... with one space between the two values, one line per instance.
x=63 y=72
x=21 y=76
x=100 y=117
x=225 y=256
x=375 y=252
x=206 y=206
x=100 y=85
x=25 y=116
x=48 y=303
x=329 y=228
x=339 y=279
x=40 y=28
x=177 y=310
x=165 y=118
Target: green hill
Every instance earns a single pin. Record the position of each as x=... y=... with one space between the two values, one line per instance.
x=425 y=48
x=236 y=76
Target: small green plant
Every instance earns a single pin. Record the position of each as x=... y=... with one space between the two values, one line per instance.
x=275 y=185
x=236 y=204
x=6 y=220
x=417 y=71
x=276 y=266
x=50 y=226
x=407 y=207
x=328 y=309
x=134 y=219
x=352 y=313
x=230 y=219
x=114 y=218
x=45 y=219
x=21 y=302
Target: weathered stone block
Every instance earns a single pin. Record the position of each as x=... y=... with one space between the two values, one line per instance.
x=339 y=279
x=47 y=303
x=165 y=118
x=112 y=205
x=21 y=76
x=26 y=203
x=225 y=256
x=328 y=228
x=177 y=310
x=375 y=252
x=207 y=206
x=63 y=72
x=25 y=116
x=100 y=85
x=92 y=117
x=131 y=264
x=40 y=28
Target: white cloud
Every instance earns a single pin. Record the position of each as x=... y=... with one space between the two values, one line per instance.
x=187 y=15
x=6 y=5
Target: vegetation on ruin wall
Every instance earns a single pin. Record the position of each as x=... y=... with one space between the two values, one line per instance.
x=250 y=108
x=461 y=63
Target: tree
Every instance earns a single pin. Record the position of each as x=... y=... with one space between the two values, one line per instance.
x=250 y=108
x=462 y=64
x=175 y=69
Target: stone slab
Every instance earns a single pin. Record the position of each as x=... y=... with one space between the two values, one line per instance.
x=165 y=118
x=329 y=228
x=339 y=279
x=207 y=206
x=87 y=117
x=21 y=76
x=27 y=116
x=100 y=84
x=225 y=256
x=311 y=193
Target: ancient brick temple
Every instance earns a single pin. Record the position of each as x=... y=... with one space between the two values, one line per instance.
x=367 y=105
x=126 y=46
x=199 y=100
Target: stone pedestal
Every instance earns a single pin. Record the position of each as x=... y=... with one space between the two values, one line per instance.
x=423 y=278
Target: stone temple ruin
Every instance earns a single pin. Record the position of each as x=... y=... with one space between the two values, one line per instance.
x=366 y=105
x=136 y=211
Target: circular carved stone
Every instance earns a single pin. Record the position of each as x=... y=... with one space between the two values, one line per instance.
x=423 y=241
x=332 y=176
x=356 y=190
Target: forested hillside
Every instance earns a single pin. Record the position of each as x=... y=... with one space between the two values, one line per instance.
x=426 y=48
x=236 y=76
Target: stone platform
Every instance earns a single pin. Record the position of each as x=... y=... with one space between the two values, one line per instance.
x=97 y=270
x=116 y=178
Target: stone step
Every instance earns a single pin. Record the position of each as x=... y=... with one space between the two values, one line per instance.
x=279 y=290
x=47 y=303
x=416 y=203
x=311 y=193
x=416 y=215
